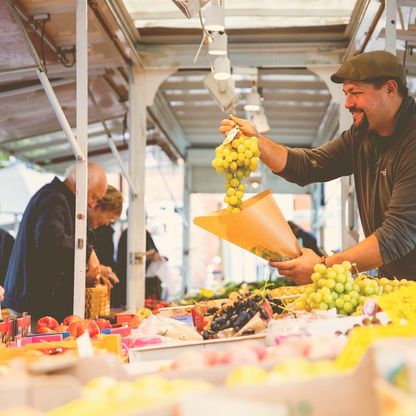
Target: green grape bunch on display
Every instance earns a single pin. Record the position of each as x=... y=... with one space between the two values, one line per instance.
x=236 y=159
x=336 y=287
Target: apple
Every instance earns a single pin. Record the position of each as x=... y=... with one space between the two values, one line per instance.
x=62 y=328
x=48 y=322
x=77 y=328
x=103 y=323
x=71 y=318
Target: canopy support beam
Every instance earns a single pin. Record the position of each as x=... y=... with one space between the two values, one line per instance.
x=50 y=93
x=112 y=145
x=143 y=86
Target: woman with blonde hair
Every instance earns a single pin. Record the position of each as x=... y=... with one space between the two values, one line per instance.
x=100 y=235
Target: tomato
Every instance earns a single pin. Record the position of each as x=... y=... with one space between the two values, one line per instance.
x=77 y=328
x=62 y=328
x=71 y=318
x=48 y=322
x=102 y=323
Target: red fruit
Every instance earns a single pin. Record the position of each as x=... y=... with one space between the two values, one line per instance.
x=48 y=322
x=79 y=327
x=62 y=328
x=103 y=323
x=71 y=318
x=45 y=330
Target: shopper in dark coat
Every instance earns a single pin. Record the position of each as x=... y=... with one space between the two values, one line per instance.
x=153 y=287
x=6 y=246
x=40 y=277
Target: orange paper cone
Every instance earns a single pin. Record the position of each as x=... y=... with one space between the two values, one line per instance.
x=259 y=227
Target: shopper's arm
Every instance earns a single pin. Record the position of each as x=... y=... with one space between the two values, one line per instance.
x=51 y=225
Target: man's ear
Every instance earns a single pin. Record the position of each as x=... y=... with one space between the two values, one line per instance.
x=391 y=86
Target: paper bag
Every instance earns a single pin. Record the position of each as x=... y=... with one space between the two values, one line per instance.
x=259 y=227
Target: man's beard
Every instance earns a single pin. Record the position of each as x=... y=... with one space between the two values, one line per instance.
x=364 y=125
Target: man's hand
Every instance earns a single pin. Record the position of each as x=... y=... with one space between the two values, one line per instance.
x=246 y=128
x=93 y=269
x=155 y=256
x=298 y=270
x=1 y=293
x=108 y=274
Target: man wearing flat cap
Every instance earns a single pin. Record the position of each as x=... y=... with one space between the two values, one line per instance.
x=379 y=149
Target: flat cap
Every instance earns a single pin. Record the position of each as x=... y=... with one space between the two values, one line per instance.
x=370 y=65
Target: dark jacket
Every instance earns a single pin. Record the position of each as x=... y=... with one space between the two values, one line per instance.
x=6 y=246
x=104 y=246
x=119 y=291
x=385 y=182
x=40 y=277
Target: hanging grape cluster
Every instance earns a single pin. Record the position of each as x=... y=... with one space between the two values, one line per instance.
x=236 y=159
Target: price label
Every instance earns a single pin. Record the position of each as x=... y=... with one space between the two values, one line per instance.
x=84 y=344
x=400 y=306
x=231 y=135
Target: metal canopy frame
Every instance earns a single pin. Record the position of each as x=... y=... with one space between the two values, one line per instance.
x=79 y=145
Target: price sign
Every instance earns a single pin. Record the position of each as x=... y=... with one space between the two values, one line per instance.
x=231 y=135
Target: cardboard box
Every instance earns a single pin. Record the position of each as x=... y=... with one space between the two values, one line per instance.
x=343 y=394
x=167 y=351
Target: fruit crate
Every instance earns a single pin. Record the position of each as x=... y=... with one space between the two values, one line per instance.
x=169 y=350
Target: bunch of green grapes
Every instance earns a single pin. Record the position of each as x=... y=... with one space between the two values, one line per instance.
x=335 y=287
x=372 y=286
x=332 y=287
x=237 y=159
x=377 y=286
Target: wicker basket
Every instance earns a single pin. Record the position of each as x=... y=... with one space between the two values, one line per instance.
x=97 y=300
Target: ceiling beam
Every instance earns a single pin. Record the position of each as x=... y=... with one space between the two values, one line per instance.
x=255 y=54
x=173 y=83
x=141 y=15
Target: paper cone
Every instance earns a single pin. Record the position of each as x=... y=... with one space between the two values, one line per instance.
x=259 y=227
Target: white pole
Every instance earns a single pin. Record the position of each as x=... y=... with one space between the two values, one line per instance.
x=186 y=277
x=53 y=100
x=81 y=165
x=136 y=242
x=390 y=39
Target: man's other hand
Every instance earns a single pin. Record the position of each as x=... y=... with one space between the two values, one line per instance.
x=246 y=128
x=298 y=270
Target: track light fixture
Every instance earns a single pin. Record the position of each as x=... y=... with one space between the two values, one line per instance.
x=190 y=7
x=214 y=18
x=217 y=44
x=260 y=121
x=253 y=100
x=222 y=68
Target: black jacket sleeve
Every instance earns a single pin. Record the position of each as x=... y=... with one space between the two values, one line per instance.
x=397 y=234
